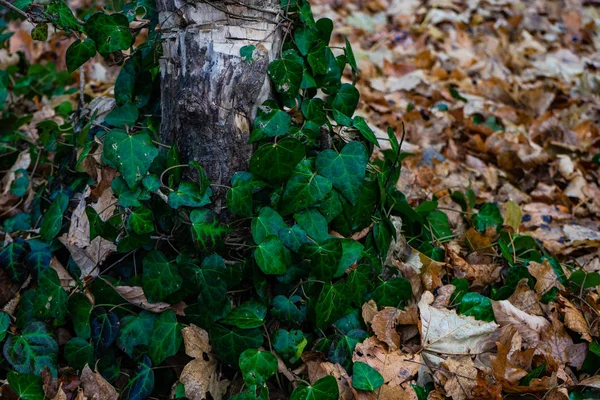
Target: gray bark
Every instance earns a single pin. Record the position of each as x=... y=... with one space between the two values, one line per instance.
x=209 y=93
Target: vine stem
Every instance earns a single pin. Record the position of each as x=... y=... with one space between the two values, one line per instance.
x=15 y=9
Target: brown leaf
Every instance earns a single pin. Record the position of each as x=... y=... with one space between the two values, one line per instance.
x=529 y=326
x=135 y=295
x=480 y=275
x=545 y=276
x=96 y=387
x=23 y=161
x=369 y=310
x=526 y=299
x=558 y=344
x=460 y=377
x=200 y=376
x=395 y=367
x=574 y=320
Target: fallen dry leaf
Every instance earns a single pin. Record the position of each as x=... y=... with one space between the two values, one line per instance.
x=96 y=387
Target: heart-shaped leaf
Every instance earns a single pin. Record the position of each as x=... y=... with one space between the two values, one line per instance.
x=166 y=337
x=31 y=351
x=160 y=278
x=286 y=73
x=109 y=32
x=228 y=344
x=52 y=222
x=272 y=257
x=79 y=352
x=289 y=345
x=393 y=292
x=325 y=388
x=365 y=377
x=131 y=155
x=105 y=328
x=346 y=170
x=142 y=383
x=257 y=366
x=250 y=314
x=275 y=162
x=79 y=52
x=136 y=330
x=26 y=386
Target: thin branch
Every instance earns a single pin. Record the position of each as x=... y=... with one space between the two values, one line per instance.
x=15 y=9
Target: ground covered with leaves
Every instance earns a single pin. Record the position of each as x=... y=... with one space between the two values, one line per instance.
x=420 y=219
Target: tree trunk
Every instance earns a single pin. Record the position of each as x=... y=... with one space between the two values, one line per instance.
x=209 y=92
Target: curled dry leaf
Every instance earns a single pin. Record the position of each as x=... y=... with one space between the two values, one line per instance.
x=458 y=376
x=445 y=332
x=574 y=319
x=200 y=376
x=318 y=368
x=530 y=327
x=135 y=295
x=386 y=322
x=545 y=277
x=66 y=280
x=557 y=342
x=89 y=258
x=480 y=275
x=526 y=299
x=23 y=161
x=96 y=387
x=369 y=310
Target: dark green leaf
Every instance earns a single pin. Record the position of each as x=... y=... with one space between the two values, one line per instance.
x=33 y=350
x=140 y=387
x=325 y=388
x=346 y=170
x=324 y=258
x=20 y=184
x=346 y=100
x=293 y=238
x=50 y=298
x=365 y=377
x=350 y=56
x=206 y=228
x=267 y=223
x=136 y=330
x=189 y=194
x=303 y=191
x=239 y=197
x=12 y=260
x=313 y=223
x=393 y=292
x=271 y=256
x=476 y=305
x=488 y=216
x=40 y=32
x=288 y=310
x=257 y=366
x=289 y=345
x=63 y=16
x=4 y=324
x=246 y=53
x=79 y=52
x=286 y=73
x=270 y=122
x=160 y=278
x=275 y=162
x=80 y=310
x=79 y=352
x=228 y=344
x=123 y=116
x=166 y=337
x=105 y=328
x=364 y=129
x=26 y=386
x=52 y=222
x=140 y=221
x=131 y=155
x=109 y=32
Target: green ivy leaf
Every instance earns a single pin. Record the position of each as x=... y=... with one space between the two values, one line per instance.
x=20 y=184
x=393 y=292
x=123 y=116
x=142 y=383
x=305 y=38
x=581 y=278
x=440 y=226
x=303 y=191
x=18 y=222
x=80 y=310
x=105 y=328
x=131 y=155
x=160 y=278
x=239 y=197
x=40 y=32
x=79 y=352
x=364 y=129
x=166 y=337
x=351 y=251
x=286 y=73
x=330 y=305
x=257 y=366
x=50 y=298
x=189 y=194
x=267 y=223
x=33 y=350
x=38 y=259
x=63 y=16
x=228 y=344
x=26 y=386
x=136 y=330
x=314 y=223
x=140 y=221
x=4 y=324
x=324 y=258
x=270 y=122
x=271 y=256
x=293 y=238
x=288 y=310
x=346 y=170
x=246 y=53
x=325 y=388
x=79 y=52
x=346 y=100
x=109 y=32
x=12 y=260
x=365 y=377
x=275 y=162
x=250 y=314
x=289 y=345
x=206 y=228
x=489 y=215
x=350 y=56
x=151 y=182
x=476 y=305
x=52 y=222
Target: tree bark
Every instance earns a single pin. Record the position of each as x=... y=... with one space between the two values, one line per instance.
x=209 y=93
